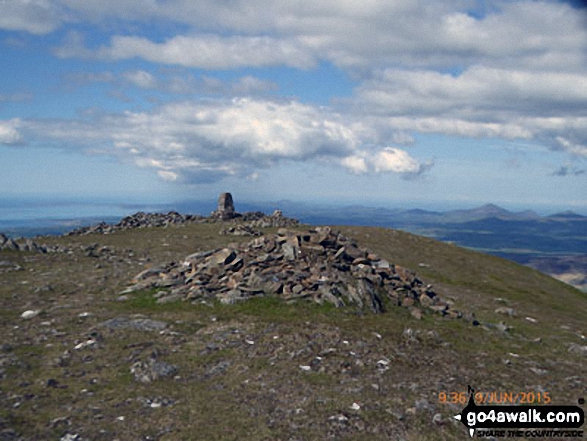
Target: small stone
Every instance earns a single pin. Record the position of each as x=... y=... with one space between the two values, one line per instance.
x=437 y=419
x=356 y=406
x=578 y=349
x=27 y=315
x=511 y=312
x=538 y=371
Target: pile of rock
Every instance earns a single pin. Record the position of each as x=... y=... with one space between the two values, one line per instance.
x=276 y=220
x=139 y=220
x=318 y=264
x=22 y=245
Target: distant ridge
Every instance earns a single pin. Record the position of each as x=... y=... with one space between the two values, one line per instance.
x=566 y=215
x=488 y=211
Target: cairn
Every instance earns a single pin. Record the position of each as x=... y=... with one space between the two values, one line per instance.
x=319 y=265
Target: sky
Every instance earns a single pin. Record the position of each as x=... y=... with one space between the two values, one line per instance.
x=408 y=103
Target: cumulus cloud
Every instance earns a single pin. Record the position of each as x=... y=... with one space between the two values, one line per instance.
x=382 y=160
x=9 y=134
x=195 y=141
x=511 y=69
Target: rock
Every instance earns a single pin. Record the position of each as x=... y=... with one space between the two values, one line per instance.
x=539 y=371
x=222 y=257
x=219 y=368
x=10 y=244
x=578 y=349
x=27 y=315
x=152 y=370
x=139 y=220
x=511 y=312
x=437 y=419
x=502 y=327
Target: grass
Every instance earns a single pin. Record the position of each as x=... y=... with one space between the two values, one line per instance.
x=263 y=393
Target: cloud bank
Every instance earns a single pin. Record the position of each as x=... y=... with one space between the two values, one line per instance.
x=503 y=69
x=206 y=140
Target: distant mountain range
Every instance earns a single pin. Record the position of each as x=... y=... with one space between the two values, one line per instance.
x=360 y=215
x=524 y=237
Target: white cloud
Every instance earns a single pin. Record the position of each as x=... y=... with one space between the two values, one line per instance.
x=141 y=79
x=9 y=134
x=480 y=102
x=515 y=71
x=33 y=16
x=202 y=51
x=197 y=141
x=478 y=92
x=379 y=33
x=395 y=160
x=355 y=163
x=570 y=147
x=384 y=160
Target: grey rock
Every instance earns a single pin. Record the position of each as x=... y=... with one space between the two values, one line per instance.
x=511 y=312
x=578 y=349
x=152 y=370
x=219 y=368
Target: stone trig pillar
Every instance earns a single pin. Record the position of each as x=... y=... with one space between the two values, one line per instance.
x=225 y=208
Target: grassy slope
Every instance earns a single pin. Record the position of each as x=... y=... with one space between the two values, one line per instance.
x=262 y=393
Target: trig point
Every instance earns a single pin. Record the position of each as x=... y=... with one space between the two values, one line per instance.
x=225 y=210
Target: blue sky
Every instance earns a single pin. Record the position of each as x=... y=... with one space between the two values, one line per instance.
x=389 y=103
